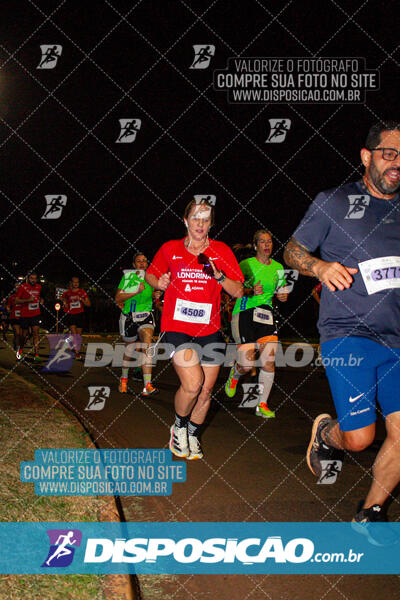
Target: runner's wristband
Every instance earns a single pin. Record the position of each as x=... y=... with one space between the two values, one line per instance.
x=220 y=279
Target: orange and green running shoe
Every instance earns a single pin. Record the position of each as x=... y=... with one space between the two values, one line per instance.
x=123 y=385
x=149 y=390
x=262 y=410
x=231 y=384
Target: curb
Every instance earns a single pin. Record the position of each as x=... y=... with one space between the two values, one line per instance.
x=119 y=586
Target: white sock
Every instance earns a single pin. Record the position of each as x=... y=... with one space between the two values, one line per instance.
x=266 y=380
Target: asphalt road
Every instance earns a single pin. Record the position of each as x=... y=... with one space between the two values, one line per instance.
x=254 y=469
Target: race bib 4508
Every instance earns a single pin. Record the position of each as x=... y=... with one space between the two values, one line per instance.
x=192 y=312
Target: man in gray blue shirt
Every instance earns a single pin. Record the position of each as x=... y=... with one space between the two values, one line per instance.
x=357 y=230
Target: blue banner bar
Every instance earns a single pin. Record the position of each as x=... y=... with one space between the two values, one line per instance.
x=194 y=548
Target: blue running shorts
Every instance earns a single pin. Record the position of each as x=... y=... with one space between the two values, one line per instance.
x=361 y=371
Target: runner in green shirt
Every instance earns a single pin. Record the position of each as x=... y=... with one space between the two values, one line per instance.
x=141 y=294
x=135 y=298
x=253 y=323
x=265 y=276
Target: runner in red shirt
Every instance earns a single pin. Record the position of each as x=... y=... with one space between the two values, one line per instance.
x=193 y=271
x=29 y=300
x=74 y=300
x=15 y=313
x=316 y=292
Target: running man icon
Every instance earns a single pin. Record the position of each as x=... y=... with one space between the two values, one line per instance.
x=61 y=355
x=129 y=129
x=202 y=56
x=50 y=56
x=330 y=471
x=98 y=397
x=207 y=198
x=251 y=395
x=62 y=549
x=357 y=207
x=54 y=206
x=63 y=543
x=289 y=278
x=279 y=129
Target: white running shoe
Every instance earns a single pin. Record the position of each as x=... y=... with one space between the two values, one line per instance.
x=178 y=442
x=195 y=448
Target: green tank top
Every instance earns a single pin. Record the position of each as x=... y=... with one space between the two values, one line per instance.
x=270 y=276
x=142 y=302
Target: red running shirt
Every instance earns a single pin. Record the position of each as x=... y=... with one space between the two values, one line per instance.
x=318 y=288
x=192 y=299
x=25 y=291
x=73 y=300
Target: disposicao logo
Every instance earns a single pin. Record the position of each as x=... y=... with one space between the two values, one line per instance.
x=191 y=550
x=62 y=547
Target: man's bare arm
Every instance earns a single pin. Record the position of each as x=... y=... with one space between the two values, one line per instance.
x=333 y=274
x=298 y=257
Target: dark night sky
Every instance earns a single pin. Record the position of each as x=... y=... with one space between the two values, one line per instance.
x=58 y=127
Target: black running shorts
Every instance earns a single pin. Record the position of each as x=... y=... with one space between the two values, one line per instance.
x=210 y=349
x=77 y=319
x=26 y=322
x=132 y=323
x=254 y=325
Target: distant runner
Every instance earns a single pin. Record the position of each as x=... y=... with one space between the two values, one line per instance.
x=74 y=300
x=136 y=320
x=29 y=300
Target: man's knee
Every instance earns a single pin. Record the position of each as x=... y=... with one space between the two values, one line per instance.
x=358 y=440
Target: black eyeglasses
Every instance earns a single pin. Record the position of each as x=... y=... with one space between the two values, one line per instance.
x=202 y=259
x=387 y=153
